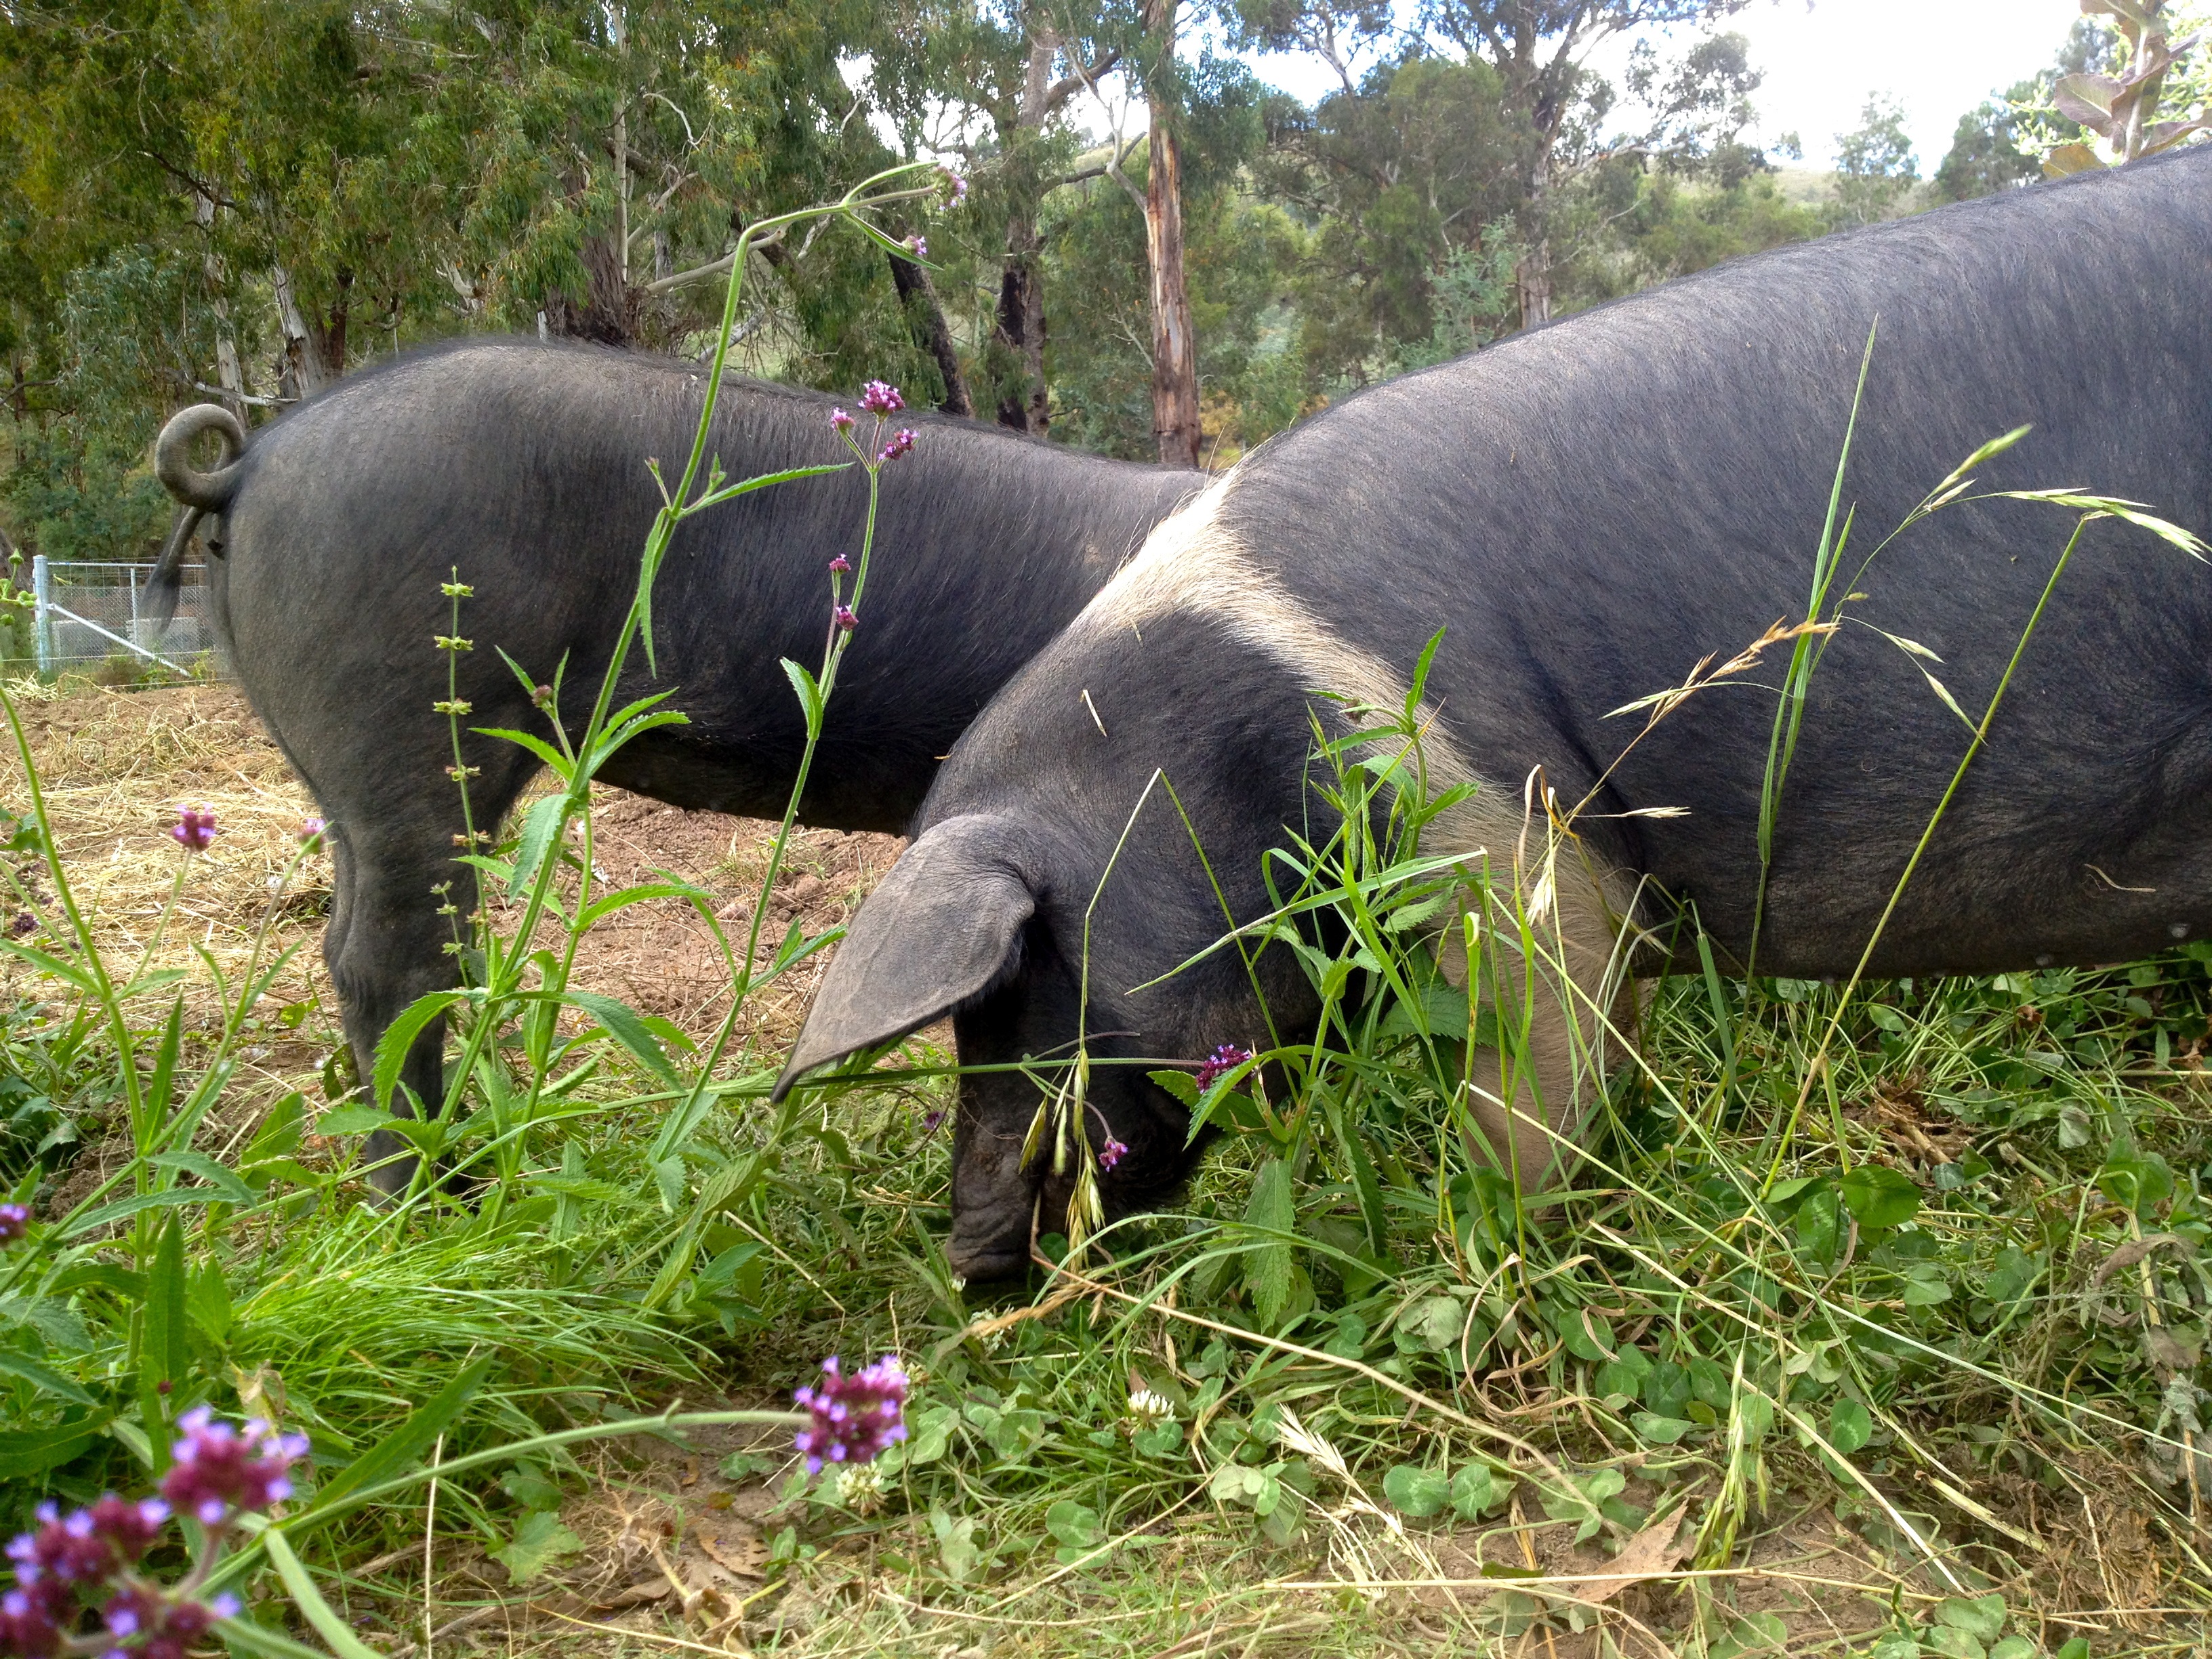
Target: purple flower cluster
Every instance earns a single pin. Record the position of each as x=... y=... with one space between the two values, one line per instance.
x=843 y=617
x=902 y=441
x=840 y=565
x=14 y=1218
x=194 y=829
x=89 y=1545
x=311 y=832
x=1112 y=1153
x=161 y=1628
x=1225 y=1059
x=854 y=1418
x=842 y=419
x=70 y=1561
x=954 y=186
x=878 y=398
x=220 y=1472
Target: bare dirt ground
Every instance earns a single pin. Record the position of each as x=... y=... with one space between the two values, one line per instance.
x=117 y=765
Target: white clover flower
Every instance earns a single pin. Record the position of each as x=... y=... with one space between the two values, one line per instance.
x=1149 y=1409
x=860 y=1488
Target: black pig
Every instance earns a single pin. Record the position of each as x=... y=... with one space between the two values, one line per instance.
x=1588 y=509
x=523 y=465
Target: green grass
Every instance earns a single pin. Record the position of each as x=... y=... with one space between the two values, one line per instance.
x=1881 y=1320
x=1671 y=1342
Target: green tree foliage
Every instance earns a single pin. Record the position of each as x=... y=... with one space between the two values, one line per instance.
x=1397 y=178
x=246 y=198
x=1876 y=167
x=1658 y=224
x=1985 y=154
x=1995 y=146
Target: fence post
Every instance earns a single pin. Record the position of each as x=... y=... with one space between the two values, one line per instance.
x=42 y=593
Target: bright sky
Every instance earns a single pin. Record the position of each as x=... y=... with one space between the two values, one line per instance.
x=1821 y=58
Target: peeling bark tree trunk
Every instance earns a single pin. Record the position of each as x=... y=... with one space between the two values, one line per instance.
x=1175 y=347
x=1025 y=406
x=1542 y=88
x=918 y=299
x=300 y=375
x=329 y=339
x=1533 y=275
x=227 y=373
x=609 y=311
x=314 y=351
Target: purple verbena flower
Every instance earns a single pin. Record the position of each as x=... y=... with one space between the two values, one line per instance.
x=929 y=1124
x=843 y=617
x=842 y=419
x=954 y=186
x=879 y=398
x=220 y=1471
x=311 y=831
x=840 y=565
x=902 y=441
x=14 y=1218
x=1112 y=1153
x=1227 y=1058
x=130 y=1530
x=61 y=1552
x=852 y=1417
x=30 y=1620
x=134 y=1612
x=918 y=246
x=25 y=922
x=169 y=1629
x=194 y=829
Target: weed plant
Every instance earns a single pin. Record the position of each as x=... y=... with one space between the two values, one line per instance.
x=192 y=1274
x=1915 y=1271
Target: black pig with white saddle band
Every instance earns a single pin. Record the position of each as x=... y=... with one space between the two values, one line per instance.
x=1588 y=510
x=524 y=464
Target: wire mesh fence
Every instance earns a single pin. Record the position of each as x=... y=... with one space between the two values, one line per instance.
x=89 y=614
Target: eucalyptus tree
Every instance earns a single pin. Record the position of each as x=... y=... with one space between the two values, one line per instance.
x=1397 y=175
x=1000 y=85
x=1541 y=50
x=234 y=195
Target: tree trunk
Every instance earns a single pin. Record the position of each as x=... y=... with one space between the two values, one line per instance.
x=300 y=375
x=609 y=311
x=1024 y=402
x=1532 y=276
x=227 y=373
x=926 y=317
x=1024 y=405
x=1174 y=349
x=329 y=339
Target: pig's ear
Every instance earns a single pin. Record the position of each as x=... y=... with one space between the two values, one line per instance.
x=943 y=924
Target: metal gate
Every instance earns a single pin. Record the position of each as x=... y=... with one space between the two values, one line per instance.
x=89 y=613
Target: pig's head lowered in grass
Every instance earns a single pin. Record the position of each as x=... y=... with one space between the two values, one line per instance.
x=1055 y=835
x=987 y=913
